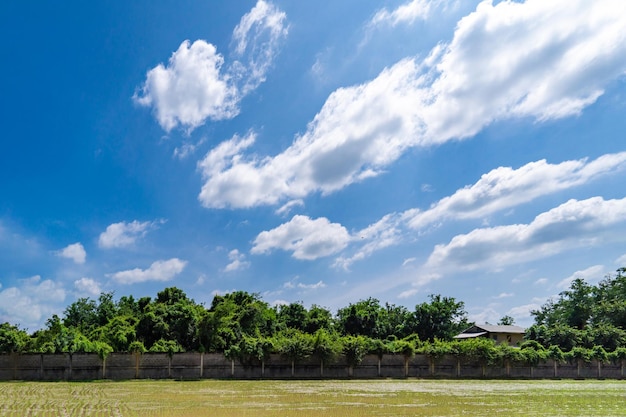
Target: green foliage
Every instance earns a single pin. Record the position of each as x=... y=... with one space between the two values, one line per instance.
x=12 y=339
x=102 y=349
x=403 y=347
x=478 y=349
x=294 y=344
x=617 y=355
x=437 y=349
x=137 y=347
x=584 y=316
x=442 y=318
x=326 y=345
x=166 y=346
x=355 y=348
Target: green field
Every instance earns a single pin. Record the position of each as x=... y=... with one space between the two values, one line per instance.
x=314 y=398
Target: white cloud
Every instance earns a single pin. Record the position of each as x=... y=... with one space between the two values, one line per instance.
x=31 y=303
x=193 y=86
x=505 y=187
x=257 y=37
x=504 y=295
x=187 y=149
x=308 y=239
x=523 y=311
x=621 y=261
x=237 y=261
x=592 y=274
x=486 y=315
x=122 y=234
x=75 y=252
x=87 y=287
x=408 y=261
x=316 y=286
x=406 y=13
x=499 y=189
x=190 y=89
x=539 y=59
x=377 y=236
x=408 y=293
x=158 y=271
x=570 y=225
x=287 y=207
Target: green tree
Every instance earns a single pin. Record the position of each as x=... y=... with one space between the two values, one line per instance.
x=318 y=318
x=506 y=321
x=360 y=319
x=442 y=318
x=12 y=339
x=81 y=315
x=292 y=316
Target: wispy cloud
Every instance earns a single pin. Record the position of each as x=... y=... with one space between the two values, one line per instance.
x=406 y=13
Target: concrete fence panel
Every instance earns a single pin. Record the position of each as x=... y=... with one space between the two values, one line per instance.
x=192 y=365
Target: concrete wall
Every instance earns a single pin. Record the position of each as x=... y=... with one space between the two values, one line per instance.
x=52 y=367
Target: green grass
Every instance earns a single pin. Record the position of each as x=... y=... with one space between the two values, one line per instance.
x=314 y=398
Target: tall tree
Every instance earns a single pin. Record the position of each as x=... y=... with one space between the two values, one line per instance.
x=441 y=318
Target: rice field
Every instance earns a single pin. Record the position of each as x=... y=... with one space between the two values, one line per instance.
x=216 y=398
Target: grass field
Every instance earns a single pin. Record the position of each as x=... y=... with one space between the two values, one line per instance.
x=314 y=398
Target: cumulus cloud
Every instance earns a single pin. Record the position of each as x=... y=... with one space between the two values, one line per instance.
x=194 y=85
x=505 y=187
x=75 y=252
x=122 y=234
x=572 y=224
x=87 y=287
x=537 y=59
x=306 y=238
x=237 y=261
x=190 y=89
x=158 y=271
x=29 y=304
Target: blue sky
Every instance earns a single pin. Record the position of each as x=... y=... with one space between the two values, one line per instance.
x=389 y=149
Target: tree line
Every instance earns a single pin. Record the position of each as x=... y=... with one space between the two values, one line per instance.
x=585 y=322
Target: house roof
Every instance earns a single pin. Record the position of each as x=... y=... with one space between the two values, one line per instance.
x=501 y=329
x=469 y=335
x=479 y=330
